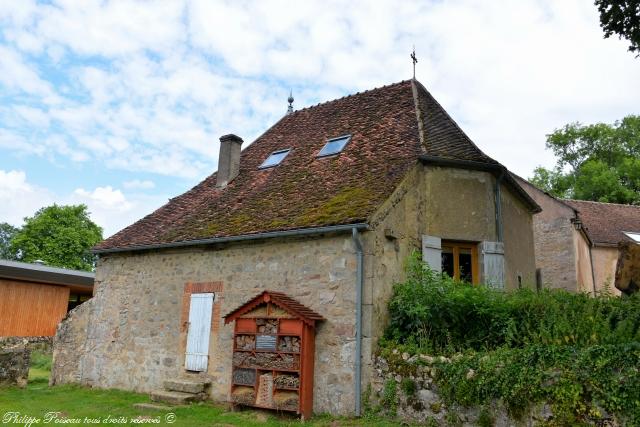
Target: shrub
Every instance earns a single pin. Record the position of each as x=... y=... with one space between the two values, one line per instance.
x=579 y=353
x=437 y=314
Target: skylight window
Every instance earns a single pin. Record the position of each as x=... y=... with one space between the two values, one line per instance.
x=633 y=236
x=274 y=159
x=334 y=146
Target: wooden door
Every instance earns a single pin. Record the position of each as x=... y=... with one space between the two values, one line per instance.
x=199 y=332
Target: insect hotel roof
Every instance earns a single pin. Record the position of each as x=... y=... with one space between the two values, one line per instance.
x=279 y=299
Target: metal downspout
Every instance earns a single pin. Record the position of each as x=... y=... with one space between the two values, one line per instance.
x=359 y=284
x=593 y=274
x=498 y=204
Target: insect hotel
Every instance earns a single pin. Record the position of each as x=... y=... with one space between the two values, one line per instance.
x=273 y=351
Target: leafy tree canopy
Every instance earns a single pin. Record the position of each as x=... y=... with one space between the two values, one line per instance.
x=7 y=231
x=621 y=17
x=62 y=236
x=599 y=162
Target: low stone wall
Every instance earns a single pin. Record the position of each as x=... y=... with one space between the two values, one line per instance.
x=14 y=365
x=41 y=344
x=415 y=398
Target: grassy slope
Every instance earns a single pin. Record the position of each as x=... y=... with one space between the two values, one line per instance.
x=79 y=402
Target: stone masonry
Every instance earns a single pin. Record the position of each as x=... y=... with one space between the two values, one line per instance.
x=131 y=335
x=425 y=405
x=14 y=365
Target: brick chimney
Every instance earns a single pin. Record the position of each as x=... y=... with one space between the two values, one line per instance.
x=229 y=159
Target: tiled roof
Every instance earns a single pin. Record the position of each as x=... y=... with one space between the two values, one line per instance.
x=442 y=135
x=283 y=301
x=605 y=222
x=305 y=191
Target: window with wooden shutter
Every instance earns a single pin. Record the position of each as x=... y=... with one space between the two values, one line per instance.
x=431 y=252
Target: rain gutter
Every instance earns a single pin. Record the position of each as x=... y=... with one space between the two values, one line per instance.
x=240 y=238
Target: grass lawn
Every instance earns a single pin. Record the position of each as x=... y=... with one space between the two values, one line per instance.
x=74 y=402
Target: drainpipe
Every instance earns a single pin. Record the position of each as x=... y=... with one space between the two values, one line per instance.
x=498 y=204
x=593 y=274
x=359 y=284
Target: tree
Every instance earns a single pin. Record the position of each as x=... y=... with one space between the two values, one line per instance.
x=61 y=236
x=7 y=231
x=621 y=17
x=599 y=162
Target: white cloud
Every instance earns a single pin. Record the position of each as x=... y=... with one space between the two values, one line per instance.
x=150 y=87
x=17 y=75
x=112 y=209
x=104 y=197
x=18 y=198
x=108 y=207
x=137 y=184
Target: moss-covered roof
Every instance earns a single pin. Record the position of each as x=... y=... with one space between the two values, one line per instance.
x=304 y=190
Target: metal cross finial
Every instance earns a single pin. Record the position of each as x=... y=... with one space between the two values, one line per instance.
x=415 y=61
x=290 y=108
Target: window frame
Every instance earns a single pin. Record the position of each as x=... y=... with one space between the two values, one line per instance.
x=454 y=246
x=284 y=150
x=329 y=141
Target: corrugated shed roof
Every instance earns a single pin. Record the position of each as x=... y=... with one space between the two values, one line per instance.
x=305 y=191
x=605 y=223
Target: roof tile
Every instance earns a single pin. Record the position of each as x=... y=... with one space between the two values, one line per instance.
x=306 y=191
x=606 y=222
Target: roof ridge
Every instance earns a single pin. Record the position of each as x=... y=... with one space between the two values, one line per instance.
x=446 y=113
x=352 y=95
x=600 y=203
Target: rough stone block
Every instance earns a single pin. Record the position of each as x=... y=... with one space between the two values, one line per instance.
x=14 y=366
x=173 y=397
x=193 y=387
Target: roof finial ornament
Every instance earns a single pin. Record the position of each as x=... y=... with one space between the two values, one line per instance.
x=415 y=61
x=290 y=99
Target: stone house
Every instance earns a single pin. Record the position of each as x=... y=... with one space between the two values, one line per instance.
x=324 y=207
x=576 y=241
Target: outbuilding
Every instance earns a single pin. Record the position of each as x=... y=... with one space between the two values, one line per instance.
x=35 y=297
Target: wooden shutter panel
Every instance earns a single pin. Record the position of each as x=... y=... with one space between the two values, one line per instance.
x=432 y=252
x=200 y=311
x=493 y=264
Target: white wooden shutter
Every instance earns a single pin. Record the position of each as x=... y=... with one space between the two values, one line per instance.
x=493 y=264
x=197 y=354
x=432 y=252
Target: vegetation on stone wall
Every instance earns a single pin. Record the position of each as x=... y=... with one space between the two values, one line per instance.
x=578 y=353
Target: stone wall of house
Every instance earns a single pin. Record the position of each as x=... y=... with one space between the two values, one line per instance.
x=519 y=247
x=605 y=259
x=584 y=272
x=135 y=336
x=425 y=204
x=555 y=242
x=69 y=345
x=14 y=364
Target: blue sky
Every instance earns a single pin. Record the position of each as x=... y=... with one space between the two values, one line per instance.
x=119 y=105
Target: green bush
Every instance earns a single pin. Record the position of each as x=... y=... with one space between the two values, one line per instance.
x=437 y=314
x=581 y=354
